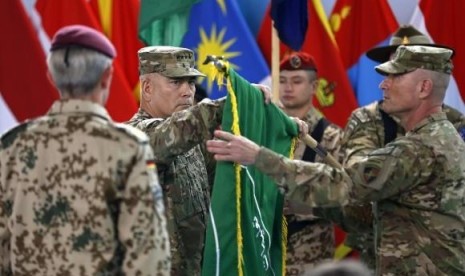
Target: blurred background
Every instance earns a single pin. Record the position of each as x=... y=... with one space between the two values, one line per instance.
x=339 y=32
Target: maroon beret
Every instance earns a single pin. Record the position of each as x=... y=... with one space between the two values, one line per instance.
x=298 y=61
x=83 y=36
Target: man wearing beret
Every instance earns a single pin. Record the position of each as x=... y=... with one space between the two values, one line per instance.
x=176 y=129
x=310 y=238
x=370 y=128
x=79 y=193
x=417 y=181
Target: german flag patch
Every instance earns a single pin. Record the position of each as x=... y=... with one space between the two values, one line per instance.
x=151 y=164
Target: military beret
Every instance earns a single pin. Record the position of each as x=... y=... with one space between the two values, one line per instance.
x=82 y=36
x=405 y=35
x=408 y=58
x=169 y=61
x=298 y=61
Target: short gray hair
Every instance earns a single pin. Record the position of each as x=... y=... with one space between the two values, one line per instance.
x=77 y=70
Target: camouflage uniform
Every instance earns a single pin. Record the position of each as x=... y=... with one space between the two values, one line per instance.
x=80 y=196
x=183 y=176
x=314 y=243
x=364 y=133
x=418 y=181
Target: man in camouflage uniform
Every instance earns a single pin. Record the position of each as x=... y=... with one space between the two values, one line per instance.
x=418 y=180
x=310 y=238
x=79 y=194
x=370 y=128
x=176 y=129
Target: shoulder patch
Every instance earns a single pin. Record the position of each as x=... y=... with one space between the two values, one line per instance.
x=10 y=136
x=132 y=132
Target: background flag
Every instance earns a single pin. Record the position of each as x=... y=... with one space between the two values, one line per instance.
x=164 y=22
x=359 y=26
x=335 y=97
x=290 y=19
x=245 y=233
x=24 y=85
x=56 y=14
x=444 y=22
x=218 y=28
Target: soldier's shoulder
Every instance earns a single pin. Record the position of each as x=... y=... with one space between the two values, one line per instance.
x=10 y=136
x=367 y=113
x=131 y=133
x=145 y=124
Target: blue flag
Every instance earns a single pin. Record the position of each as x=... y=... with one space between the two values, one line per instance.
x=290 y=21
x=217 y=27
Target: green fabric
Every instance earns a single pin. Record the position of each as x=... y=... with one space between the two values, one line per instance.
x=267 y=125
x=163 y=22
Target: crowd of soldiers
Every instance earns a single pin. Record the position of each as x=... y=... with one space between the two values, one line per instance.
x=83 y=195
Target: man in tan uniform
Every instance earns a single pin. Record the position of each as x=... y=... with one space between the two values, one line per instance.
x=79 y=194
x=310 y=238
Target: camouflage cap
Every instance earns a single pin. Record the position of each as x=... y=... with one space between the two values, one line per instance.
x=171 y=62
x=408 y=58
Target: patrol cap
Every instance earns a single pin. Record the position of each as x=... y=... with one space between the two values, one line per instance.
x=405 y=35
x=171 y=62
x=298 y=61
x=408 y=58
x=82 y=36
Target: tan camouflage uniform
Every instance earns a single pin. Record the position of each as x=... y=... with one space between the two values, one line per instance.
x=80 y=196
x=418 y=181
x=314 y=243
x=183 y=176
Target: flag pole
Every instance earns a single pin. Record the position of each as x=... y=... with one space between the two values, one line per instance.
x=274 y=64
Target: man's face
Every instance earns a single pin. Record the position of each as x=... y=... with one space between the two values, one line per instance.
x=296 y=88
x=169 y=95
x=400 y=93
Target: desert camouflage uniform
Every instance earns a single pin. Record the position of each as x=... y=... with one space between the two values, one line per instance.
x=80 y=196
x=363 y=134
x=183 y=176
x=314 y=243
x=419 y=183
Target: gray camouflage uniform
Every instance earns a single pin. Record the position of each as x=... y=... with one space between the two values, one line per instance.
x=183 y=176
x=80 y=196
x=314 y=243
x=363 y=134
x=417 y=182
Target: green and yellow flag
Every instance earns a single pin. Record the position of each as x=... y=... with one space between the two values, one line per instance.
x=246 y=234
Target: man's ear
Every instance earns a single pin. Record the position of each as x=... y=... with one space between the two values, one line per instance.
x=107 y=77
x=426 y=88
x=145 y=88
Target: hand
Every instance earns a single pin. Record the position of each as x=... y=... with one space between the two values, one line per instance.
x=265 y=90
x=303 y=127
x=229 y=147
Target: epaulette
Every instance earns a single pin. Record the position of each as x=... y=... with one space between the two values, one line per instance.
x=132 y=132
x=10 y=136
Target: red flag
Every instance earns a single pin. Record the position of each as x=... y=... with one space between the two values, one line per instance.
x=123 y=33
x=359 y=26
x=58 y=13
x=23 y=81
x=445 y=23
x=335 y=97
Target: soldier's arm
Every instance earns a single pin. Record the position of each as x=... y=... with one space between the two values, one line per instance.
x=183 y=130
x=382 y=174
x=142 y=223
x=5 y=266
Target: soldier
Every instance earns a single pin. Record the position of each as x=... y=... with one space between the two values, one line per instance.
x=418 y=180
x=176 y=129
x=370 y=128
x=310 y=238
x=79 y=193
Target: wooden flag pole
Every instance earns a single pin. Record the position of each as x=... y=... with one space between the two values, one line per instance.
x=274 y=64
x=312 y=143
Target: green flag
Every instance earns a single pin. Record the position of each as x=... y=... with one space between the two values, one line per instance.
x=164 y=22
x=246 y=234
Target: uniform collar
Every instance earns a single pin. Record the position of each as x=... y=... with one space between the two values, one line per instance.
x=78 y=106
x=440 y=116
